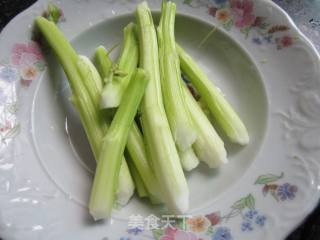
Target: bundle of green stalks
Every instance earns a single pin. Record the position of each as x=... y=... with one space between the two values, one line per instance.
x=172 y=135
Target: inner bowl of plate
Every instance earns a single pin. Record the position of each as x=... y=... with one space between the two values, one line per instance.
x=65 y=152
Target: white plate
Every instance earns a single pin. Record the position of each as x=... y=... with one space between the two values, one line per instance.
x=265 y=66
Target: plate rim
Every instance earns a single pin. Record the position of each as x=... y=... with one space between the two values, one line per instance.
x=39 y=4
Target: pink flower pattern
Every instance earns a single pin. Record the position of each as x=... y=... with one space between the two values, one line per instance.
x=243 y=12
x=28 y=60
x=26 y=54
x=240 y=14
x=214 y=218
x=286 y=41
x=177 y=234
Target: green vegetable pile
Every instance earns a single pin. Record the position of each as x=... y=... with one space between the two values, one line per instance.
x=143 y=124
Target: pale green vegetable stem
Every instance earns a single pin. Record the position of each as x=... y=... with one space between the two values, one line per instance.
x=140 y=187
x=92 y=122
x=126 y=186
x=178 y=115
x=115 y=87
x=189 y=160
x=135 y=144
x=221 y=110
x=84 y=85
x=160 y=144
x=208 y=147
x=108 y=168
x=138 y=154
x=91 y=79
x=103 y=62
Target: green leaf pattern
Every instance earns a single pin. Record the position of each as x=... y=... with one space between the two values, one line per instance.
x=246 y=202
x=240 y=204
x=250 y=201
x=12 y=132
x=268 y=178
x=158 y=233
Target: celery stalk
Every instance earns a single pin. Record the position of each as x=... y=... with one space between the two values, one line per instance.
x=103 y=62
x=93 y=83
x=107 y=172
x=138 y=154
x=179 y=119
x=92 y=122
x=126 y=185
x=160 y=144
x=91 y=78
x=135 y=144
x=188 y=159
x=208 y=147
x=91 y=119
x=221 y=110
x=113 y=90
x=140 y=187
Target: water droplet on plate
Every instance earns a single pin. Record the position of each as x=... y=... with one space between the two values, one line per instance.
x=37 y=228
x=6 y=166
x=25 y=200
x=15 y=200
x=23 y=189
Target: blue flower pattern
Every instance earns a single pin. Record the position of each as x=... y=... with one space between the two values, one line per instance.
x=257 y=41
x=252 y=218
x=251 y=214
x=268 y=39
x=220 y=2
x=287 y=191
x=8 y=74
x=265 y=39
x=135 y=231
x=260 y=220
x=222 y=233
x=246 y=226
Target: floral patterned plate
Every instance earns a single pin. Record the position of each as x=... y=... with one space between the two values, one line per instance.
x=252 y=50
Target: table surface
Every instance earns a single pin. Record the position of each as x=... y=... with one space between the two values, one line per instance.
x=306 y=14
